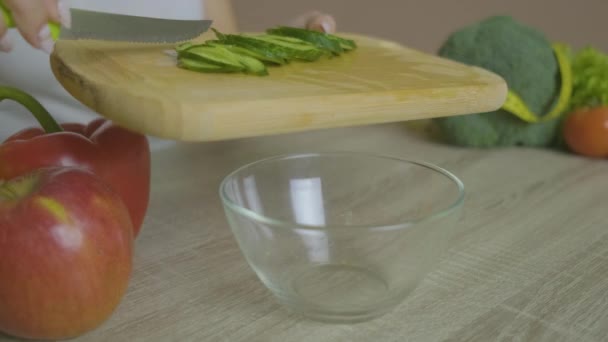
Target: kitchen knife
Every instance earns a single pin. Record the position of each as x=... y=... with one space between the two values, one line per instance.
x=119 y=27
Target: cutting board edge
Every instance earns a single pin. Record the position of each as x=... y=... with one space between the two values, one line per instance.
x=221 y=124
x=397 y=111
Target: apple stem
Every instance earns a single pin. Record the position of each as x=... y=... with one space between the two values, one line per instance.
x=40 y=113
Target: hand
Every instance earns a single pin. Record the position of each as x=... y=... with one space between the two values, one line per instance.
x=316 y=21
x=31 y=19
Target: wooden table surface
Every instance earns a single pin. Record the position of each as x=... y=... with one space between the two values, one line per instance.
x=530 y=264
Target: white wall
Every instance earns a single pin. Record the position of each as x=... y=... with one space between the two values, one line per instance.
x=424 y=24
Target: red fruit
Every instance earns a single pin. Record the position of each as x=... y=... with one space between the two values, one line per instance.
x=66 y=244
x=119 y=157
x=586 y=132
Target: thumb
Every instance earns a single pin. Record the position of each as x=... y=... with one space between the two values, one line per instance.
x=322 y=22
x=315 y=20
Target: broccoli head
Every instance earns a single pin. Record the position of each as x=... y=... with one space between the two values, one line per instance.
x=525 y=59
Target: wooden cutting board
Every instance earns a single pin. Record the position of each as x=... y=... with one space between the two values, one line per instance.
x=140 y=87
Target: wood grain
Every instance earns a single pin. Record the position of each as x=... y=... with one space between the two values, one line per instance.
x=140 y=87
x=529 y=262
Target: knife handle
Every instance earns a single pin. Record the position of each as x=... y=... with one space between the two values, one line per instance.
x=10 y=23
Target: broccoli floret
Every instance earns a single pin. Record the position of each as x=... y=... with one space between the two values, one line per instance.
x=524 y=58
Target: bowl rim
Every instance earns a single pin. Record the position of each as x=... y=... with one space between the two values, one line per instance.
x=228 y=203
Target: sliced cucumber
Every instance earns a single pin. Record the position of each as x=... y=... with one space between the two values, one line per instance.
x=287 y=39
x=197 y=65
x=183 y=46
x=346 y=44
x=278 y=56
x=212 y=54
x=295 y=49
x=318 y=39
x=251 y=53
x=253 y=66
x=222 y=57
x=271 y=48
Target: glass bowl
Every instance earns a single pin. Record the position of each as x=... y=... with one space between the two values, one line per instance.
x=341 y=237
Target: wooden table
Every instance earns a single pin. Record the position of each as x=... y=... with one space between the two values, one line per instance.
x=531 y=263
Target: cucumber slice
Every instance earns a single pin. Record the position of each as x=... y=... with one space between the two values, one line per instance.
x=243 y=42
x=252 y=65
x=297 y=49
x=251 y=53
x=196 y=65
x=292 y=40
x=183 y=46
x=212 y=55
x=319 y=39
x=223 y=57
x=346 y=44
x=266 y=47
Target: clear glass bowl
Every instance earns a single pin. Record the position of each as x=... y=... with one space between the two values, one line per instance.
x=341 y=237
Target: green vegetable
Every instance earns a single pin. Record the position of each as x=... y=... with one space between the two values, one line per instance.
x=252 y=53
x=196 y=65
x=590 y=69
x=268 y=54
x=283 y=50
x=524 y=58
x=293 y=44
x=253 y=65
x=219 y=56
x=183 y=46
x=321 y=40
x=212 y=54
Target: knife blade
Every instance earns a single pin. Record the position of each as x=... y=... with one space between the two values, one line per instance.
x=93 y=25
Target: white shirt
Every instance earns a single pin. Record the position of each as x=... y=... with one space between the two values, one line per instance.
x=28 y=69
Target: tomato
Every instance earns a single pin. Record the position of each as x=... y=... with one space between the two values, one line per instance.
x=586 y=132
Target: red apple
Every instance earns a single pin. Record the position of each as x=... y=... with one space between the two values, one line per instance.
x=66 y=244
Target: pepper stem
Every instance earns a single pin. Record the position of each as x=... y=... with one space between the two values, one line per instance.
x=45 y=119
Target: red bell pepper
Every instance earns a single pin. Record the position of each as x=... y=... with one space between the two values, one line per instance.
x=118 y=156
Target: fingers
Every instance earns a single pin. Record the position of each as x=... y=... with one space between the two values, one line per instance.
x=6 y=45
x=59 y=12
x=322 y=22
x=32 y=17
x=316 y=20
